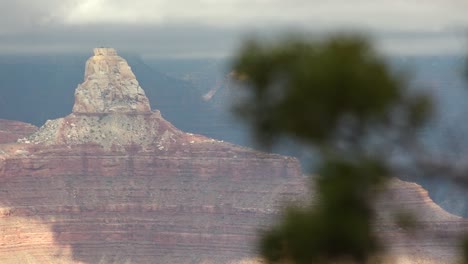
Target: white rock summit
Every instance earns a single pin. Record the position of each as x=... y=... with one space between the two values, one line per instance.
x=109 y=86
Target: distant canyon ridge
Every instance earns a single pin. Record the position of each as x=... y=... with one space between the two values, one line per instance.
x=114 y=182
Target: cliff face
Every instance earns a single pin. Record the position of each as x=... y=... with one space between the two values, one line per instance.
x=10 y=131
x=113 y=182
x=436 y=237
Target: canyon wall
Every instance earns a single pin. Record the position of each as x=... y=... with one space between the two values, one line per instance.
x=114 y=182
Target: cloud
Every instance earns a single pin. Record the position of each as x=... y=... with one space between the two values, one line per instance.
x=168 y=41
x=175 y=27
x=396 y=14
x=18 y=16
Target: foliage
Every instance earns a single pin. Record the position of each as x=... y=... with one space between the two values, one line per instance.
x=320 y=233
x=307 y=89
x=339 y=97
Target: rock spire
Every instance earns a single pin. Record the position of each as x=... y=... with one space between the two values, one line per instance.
x=109 y=86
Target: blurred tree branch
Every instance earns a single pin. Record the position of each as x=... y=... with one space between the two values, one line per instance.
x=337 y=96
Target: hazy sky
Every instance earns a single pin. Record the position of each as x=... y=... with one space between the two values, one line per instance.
x=215 y=27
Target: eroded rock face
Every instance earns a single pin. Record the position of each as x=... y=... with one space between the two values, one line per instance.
x=200 y=202
x=11 y=131
x=114 y=182
x=110 y=86
x=436 y=237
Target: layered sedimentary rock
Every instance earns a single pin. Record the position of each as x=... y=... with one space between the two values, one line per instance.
x=10 y=131
x=434 y=239
x=113 y=182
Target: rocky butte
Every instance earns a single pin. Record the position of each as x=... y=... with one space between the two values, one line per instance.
x=114 y=182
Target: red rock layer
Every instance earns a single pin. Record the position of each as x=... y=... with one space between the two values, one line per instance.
x=141 y=206
x=10 y=131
